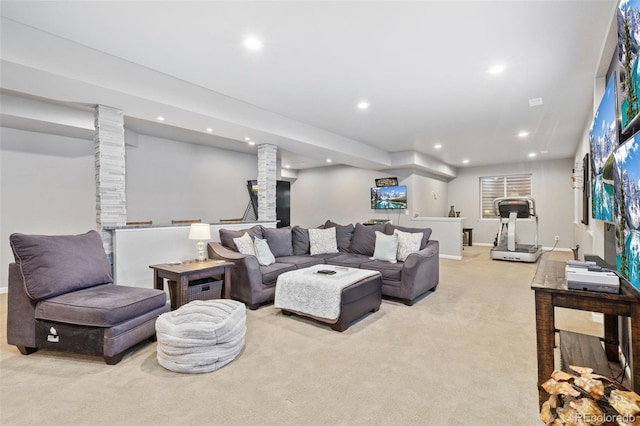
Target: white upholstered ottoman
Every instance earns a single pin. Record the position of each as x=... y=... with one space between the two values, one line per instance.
x=201 y=336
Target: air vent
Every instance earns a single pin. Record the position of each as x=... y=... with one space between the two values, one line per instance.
x=535 y=102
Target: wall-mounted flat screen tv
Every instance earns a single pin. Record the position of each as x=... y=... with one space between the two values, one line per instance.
x=603 y=139
x=628 y=42
x=389 y=197
x=627 y=209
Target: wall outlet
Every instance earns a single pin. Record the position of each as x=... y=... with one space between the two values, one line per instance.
x=557 y=238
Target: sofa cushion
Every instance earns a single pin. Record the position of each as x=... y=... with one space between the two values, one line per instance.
x=386 y=247
x=348 y=259
x=389 y=271
x=343 y=234
x=322 y=241
x=270 y=273
x=301 y=261
x=58 y=264
x=300 y=240
x=407 y=243
x=263 y=253
x=363 y=240
x=426 y=232
x=245 y=244
x=227 y=235
x=279 y=240
x=100 y=306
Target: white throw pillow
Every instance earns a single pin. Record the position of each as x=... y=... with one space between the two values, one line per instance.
x=244 y=244
x=263 y=252
x=322 y=241
x=386 y=247
x=407 y=243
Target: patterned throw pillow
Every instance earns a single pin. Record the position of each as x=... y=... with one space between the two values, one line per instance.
x=386 y=247
x=263 y=252
x=407 y=243
x=322 y=241
x=244 y=244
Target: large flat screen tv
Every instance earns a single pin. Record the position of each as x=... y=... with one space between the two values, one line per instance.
x=603 y=139
x=628 y=42
x=389 y=197
x=627 y=209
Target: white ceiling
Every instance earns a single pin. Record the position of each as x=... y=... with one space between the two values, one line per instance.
x=422 y=66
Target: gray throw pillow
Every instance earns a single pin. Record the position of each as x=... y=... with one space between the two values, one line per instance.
x=227 y=235
x=363 y=240
x=279 y=240
x=58 y=264
x=343 y=235
x=300 y=241
x=426 y=232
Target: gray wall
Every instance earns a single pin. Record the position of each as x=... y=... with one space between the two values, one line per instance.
x=341 y=194
x=551 y=187
x=47 y=184
x=174 y=180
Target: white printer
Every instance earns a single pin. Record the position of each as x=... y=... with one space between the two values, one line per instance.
x=589 y=276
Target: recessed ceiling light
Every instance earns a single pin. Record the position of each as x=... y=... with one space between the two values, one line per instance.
x=287 y=166
x=496 y=69
x=328 y=160
x=363 y=105
x=465 y=161
x=253 y=43
x=252 y=143
x=438 y=146
x=160 y=118
x=209 y=129
x=247 y=138
x=532 y=154
x=523 y=134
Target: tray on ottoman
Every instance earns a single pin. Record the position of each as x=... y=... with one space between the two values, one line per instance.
x=337 y=299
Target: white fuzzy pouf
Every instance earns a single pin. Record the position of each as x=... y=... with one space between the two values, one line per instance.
x=201 y=336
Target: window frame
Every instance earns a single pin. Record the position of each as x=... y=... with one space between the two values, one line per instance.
x=505 y=187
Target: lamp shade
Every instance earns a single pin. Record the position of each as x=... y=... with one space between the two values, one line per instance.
x=200 y=231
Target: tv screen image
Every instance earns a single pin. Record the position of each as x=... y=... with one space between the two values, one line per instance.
x=628 y=42
x=603 y=139
x=627 y=209
x=389 y=197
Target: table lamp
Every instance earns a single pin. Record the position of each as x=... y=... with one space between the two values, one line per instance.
x=200 y=232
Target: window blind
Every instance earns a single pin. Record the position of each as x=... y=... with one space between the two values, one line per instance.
x=492 y=187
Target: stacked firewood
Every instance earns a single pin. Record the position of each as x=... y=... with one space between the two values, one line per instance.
x=588 y=399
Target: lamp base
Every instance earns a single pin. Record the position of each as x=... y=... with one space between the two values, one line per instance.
x=201 y=257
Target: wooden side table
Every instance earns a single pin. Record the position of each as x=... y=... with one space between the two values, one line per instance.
x=183 y=273
x=551 y=291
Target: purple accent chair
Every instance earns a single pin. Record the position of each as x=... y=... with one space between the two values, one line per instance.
x=62 y=297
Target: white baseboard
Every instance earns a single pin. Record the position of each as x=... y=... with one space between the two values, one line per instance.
x=4 y=290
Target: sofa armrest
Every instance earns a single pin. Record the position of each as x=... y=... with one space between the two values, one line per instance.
x=421 y=271
x=246 y=277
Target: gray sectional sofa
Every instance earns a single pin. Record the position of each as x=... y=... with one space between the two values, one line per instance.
x=255 y=285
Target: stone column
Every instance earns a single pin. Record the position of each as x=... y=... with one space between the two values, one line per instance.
x=109 y=151
x=267 y=182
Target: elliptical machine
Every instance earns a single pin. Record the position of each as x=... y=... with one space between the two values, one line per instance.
x=509 y=209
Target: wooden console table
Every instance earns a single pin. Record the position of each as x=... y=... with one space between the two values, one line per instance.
x=183 y=273
x=550 y=286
